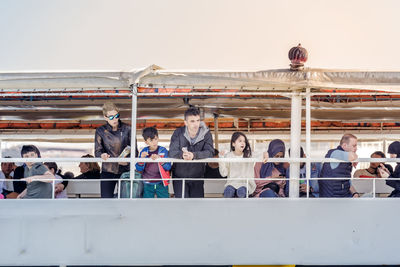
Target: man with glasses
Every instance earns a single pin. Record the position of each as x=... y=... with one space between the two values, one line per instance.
x=110 y=140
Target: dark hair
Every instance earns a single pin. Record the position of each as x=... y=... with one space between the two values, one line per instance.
x=301 y=152
x=29 y=148
x=216 y=152
x=92 y=166
x=149 y=132
x=51 y=165
x=379 y=153
x=69 y=175
x=247 y=148
x=192 y=112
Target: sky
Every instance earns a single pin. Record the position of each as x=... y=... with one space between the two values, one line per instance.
x=205 y=34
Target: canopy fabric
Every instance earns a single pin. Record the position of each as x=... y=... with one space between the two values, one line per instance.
x=154 y=76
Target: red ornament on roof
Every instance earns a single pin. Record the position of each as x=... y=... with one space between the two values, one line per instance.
x=298 y=56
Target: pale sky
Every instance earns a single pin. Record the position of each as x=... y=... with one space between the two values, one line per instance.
x=203 y=34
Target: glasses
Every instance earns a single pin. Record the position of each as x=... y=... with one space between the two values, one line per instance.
x=116 y=116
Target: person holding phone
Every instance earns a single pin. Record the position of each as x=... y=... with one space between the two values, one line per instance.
x=190 y=142
x=273 y=173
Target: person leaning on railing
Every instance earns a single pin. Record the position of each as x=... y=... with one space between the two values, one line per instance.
x=394 y=151
x=110 y=141
x=193 y=141
x=339 y=187
x=36 y=175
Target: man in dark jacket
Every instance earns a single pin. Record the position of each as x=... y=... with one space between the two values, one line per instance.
x=191 y=142
x=339 y=187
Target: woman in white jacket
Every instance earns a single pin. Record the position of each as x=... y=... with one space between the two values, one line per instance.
x=237 y=172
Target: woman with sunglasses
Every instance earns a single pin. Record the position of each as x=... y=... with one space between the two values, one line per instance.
x=110 y=141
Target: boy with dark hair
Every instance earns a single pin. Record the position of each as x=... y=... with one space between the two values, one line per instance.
x=157 y=171
x=37 y=176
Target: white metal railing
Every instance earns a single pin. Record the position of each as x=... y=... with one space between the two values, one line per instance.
x=131 y=181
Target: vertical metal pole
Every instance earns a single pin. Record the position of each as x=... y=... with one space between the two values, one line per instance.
x=54 y=188
x=295 y=138
x=1 y=151
x=133 y=136
x=247 y=187
x=216 y=130
x=308 y=139
x=373 y=188
x=183 y=188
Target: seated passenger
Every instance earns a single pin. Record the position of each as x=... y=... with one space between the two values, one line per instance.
x=267 y=187
x=315 y=172
x=372 y=170
x=59 y=188
x=339 y=187
x=236 y=185
x=394 y=151
x=7 y=172
x=156 y=171
x=89 y=170
x=212 y=168
x=36 y=175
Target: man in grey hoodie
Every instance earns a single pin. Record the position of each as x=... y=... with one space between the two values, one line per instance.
x=191 y=142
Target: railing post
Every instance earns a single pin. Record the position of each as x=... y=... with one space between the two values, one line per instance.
x=295 y=137
x=373 y=188
x=247 y=187
x=183 y=188
x=54 y=188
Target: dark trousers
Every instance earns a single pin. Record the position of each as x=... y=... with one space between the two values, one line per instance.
x=107 y=187
x=193 y=189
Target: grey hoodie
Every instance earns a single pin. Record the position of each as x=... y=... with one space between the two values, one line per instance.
x=201 y=147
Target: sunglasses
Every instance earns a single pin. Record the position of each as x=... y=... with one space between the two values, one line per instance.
x=116 y=116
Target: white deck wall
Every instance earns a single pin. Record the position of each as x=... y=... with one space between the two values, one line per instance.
x=199 y=231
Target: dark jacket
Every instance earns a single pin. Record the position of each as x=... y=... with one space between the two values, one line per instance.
x=19 y=186
x=335 y=188
x=201 y=148
x=89 y=175
x=395 y=183
x=113 y=143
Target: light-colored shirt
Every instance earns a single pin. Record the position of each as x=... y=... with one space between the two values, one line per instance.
x=236 y=171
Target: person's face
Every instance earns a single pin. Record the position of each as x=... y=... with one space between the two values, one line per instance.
x=84 y=167
x=30 y=155
x=7 y=167
x=239 y=144
x=193 y=124
x=278 y=155
x=375 y=165
x=111 y=119
x=393 y=156
x=152 y=143
x=351 y=146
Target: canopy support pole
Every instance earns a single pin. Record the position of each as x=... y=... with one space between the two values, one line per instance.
x=308 y=138
x=133 y=135
x=295 y=139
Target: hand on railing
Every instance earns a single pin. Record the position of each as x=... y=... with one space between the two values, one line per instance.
x=265 y=157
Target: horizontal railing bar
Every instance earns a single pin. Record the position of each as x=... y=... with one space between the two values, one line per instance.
x=173 y=160
x=210 y=179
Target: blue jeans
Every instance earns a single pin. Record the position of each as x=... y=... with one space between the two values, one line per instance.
x=231 y=192
x=268 y=193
